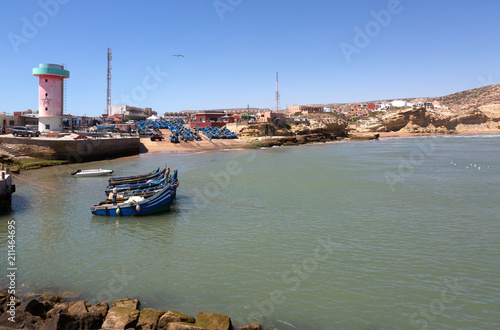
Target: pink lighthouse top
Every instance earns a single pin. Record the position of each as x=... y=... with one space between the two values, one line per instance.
x=50 y=90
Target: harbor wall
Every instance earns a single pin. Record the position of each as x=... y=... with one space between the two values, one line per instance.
x=74 y=151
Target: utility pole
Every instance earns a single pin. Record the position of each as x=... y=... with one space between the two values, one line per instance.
x=108 y=89
x=277 y=93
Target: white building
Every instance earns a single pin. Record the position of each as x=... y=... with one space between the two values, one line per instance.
x=382 y=106
x=127 y=110
x=398 y=103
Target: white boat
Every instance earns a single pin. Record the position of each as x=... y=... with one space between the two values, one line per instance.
x=94 y=172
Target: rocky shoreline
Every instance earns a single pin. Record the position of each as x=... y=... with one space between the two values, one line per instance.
x=421 y=120
x=268 y=142
x=52 y=312
x=318 y=128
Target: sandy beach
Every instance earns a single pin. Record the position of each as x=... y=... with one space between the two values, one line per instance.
x=205 y=144
x=191 y=146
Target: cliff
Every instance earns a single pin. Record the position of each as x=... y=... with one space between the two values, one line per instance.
x=423 y=121
x=318 y=128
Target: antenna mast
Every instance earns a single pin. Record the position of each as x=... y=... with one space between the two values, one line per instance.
x=108 y=89
x=277 y=93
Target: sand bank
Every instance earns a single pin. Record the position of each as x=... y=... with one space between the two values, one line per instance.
x=192 y=146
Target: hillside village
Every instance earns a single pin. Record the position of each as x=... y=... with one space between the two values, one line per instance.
x=475 y=106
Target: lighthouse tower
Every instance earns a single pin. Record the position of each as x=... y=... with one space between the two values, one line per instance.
x=50 y=96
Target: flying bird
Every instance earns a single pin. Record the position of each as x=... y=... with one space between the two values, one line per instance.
x=178 y=55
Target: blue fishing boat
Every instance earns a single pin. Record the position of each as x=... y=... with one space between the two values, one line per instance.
x=140 y=185
x=125 y=179
x=141 y=192
x=150 y=178
x=138 y=205
x=174 y=138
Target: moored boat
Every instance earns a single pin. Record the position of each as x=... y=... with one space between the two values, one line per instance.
x=92 y=172
x=135 y=179
x=139 y=205
x=139 y=185
x=140 y=192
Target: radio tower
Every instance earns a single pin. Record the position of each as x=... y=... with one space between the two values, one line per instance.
x=108 y=89
x=277 y=93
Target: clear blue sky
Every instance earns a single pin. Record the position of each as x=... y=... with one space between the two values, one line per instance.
x=233 y=48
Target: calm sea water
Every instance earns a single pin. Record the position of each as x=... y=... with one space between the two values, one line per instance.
x=398 y=233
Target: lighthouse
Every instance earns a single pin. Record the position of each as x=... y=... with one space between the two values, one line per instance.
x=50 y=96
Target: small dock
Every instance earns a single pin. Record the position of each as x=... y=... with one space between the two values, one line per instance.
x=7 y=188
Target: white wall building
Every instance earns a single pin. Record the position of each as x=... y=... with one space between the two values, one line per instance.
x=382 y=106
x=127 y=110
x=398 y=103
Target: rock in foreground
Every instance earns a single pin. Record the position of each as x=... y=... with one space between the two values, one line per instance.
x=52 y=313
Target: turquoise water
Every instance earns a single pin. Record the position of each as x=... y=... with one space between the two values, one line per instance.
x=384 y=234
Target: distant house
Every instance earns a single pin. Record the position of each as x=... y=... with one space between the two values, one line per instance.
x=359 y=113
x=71 y=121
x=30 y=117
x=271 y=117
x=344 y=110
x=398 y=103
x=211 y=118
x=382 y=106
x=127 y=110
x=359 y=106
x=8 y=120
x=428 y=106
x=176 y=116
x=305 y=109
